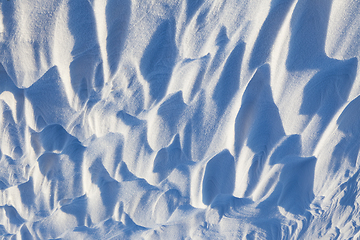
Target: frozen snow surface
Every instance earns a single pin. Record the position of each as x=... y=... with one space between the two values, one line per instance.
x=191 y=119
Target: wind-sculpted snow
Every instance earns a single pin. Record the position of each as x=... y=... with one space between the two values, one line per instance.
x=179 y=119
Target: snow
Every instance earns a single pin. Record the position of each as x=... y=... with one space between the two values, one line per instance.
x=192 y=119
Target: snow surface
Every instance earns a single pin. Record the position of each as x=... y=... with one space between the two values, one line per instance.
x=192 y=119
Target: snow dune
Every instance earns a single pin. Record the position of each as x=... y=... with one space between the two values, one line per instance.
x=187 y=119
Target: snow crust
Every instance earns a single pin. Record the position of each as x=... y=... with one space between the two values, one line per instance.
x=169 y=119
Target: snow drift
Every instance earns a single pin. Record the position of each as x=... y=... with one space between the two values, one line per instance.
x=187 y=119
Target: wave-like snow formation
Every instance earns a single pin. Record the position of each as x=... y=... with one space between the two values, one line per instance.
x=192 y=119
